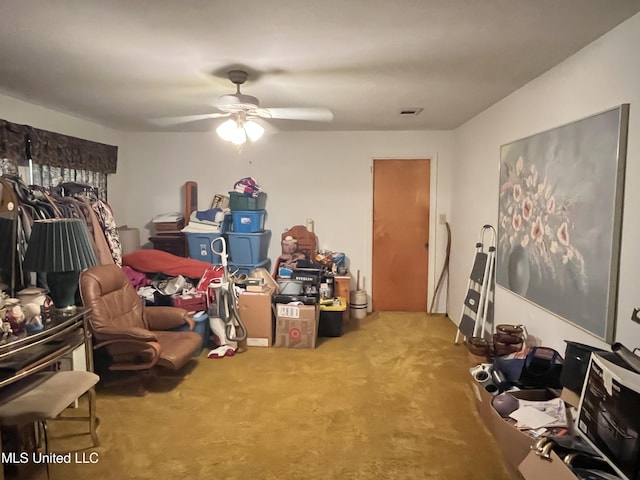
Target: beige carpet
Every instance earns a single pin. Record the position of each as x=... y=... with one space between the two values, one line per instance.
x=387 y=400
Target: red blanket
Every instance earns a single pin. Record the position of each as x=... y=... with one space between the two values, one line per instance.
x=157 y=261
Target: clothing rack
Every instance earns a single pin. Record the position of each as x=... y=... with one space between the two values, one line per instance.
x=67 y=189
x=65 y=200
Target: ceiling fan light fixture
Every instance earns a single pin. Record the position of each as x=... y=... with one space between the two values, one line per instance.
x=253 y=130
x=226 y=129
x=236 y=130
x=239 y=136
x=241 y=109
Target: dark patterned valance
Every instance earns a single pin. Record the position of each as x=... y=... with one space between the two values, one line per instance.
x=13 y=142
x=21 y=142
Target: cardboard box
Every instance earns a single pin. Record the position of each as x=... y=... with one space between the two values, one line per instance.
x=483 y=403
x=570 y=397
x=296 y=325
x=609 y=390
x=257 y=315
x=608 y=416
x=535 y=468
x=515 y=445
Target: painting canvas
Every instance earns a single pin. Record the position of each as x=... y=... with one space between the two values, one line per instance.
x=559 y=219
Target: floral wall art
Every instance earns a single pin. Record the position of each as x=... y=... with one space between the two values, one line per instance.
x=560 y=218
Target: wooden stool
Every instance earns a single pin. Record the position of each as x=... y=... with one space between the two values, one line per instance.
x=44 y=396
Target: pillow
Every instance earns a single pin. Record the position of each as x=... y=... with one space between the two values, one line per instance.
x=158 y=261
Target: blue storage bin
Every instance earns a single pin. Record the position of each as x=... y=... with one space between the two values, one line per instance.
x=202 y=328
x=200 y=247
x=247 y=269
x=248 y=221
x=248 y=248
x=227 y=223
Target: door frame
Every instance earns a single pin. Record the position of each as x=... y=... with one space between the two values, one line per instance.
x=434 y=231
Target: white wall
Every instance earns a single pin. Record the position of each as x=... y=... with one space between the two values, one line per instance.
x=325 y=176
x=601 y=76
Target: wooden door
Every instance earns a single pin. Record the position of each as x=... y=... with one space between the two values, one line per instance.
x=400 y=235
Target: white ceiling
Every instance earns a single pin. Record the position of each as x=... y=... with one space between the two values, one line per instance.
x=123 y=62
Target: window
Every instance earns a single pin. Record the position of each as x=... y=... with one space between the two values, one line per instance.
x=48 y=176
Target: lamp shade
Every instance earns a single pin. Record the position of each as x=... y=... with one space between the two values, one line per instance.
x=58 y=245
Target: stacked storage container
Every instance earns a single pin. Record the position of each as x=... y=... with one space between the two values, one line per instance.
x=200 y=247
x=200 y=243
x=248 y=242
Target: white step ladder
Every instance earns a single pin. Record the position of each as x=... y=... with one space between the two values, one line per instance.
x=480 y=288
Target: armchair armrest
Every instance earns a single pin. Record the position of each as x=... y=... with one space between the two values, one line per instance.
x=151 y=348
x=165 y=318
x=132 y=333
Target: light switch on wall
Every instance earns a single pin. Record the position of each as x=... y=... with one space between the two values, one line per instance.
x=442 y=218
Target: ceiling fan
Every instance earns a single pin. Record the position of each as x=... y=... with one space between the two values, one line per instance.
x=242 y=108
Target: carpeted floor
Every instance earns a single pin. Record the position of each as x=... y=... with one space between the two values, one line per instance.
x=387 y=400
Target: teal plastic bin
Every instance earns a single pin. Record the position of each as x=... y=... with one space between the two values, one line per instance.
x=239 y=201
x=202 y=328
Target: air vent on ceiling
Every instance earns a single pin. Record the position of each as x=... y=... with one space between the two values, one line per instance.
x=410 y=111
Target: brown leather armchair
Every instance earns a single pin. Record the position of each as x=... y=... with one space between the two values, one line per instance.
x=135 y=337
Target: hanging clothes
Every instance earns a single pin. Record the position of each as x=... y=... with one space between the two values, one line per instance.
x=102 y=229
x=96 y=233
x=105 y=216
x=68 y=200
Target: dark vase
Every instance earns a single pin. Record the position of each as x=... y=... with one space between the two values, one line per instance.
x=519 y=271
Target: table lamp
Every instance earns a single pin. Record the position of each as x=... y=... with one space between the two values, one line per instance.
x=60 y=248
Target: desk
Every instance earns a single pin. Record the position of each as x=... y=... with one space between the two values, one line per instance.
x=28 y=353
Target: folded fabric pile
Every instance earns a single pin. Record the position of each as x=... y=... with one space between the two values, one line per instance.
x=206 y=221
x=247 y=186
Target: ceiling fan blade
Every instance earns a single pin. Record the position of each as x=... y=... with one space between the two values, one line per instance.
x=167 y=121
x=284 y=113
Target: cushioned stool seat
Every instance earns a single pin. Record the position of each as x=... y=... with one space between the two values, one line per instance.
x=44 y=396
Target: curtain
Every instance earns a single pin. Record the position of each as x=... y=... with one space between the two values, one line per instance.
x=13 y=142
x=21 y=143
